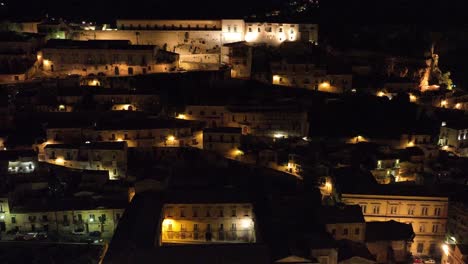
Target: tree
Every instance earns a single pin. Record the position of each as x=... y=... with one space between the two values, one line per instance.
x=446 y=81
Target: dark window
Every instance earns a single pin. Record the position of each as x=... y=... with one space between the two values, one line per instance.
x=345 y=231
x=13 y=220
x=357 y=231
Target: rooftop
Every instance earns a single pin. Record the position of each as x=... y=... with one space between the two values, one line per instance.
x=342 y=214
x=95 y=44
x=388 y=231
x=91 y=145
x=231 y=130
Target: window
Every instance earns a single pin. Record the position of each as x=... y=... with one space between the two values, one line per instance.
x=169 y=211
x=229 y=28
x=195 y=212
x=364 y=208
x=258 y=30
x=234 y=212
x=435 y=228
x=437 y=211
x=376 y=209
x=208 y=212
x=45 y=218
x=221 y=212
x=235 y=28
x=393 y=209
x=357 y=231
x=411 y=209
x=345 y=232
x=422 y=228
x=65 y=218
x=333 y=232
x=182 y=212
x=183 y=227
x=280 y=30
x=424 y=211
x=379 y=164
x=250 y=29
x=117 y=217
x=233 y=226
x=91 y=218
x=420 y=247
x=13 y=220
x=195 y=227
x=16 y=78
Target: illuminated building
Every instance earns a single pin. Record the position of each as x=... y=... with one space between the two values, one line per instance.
x=62 y=221
x=458 y=222
x=200 y=42
x=303 y=74
x=454 y=254
x=223 y=140
x=19 y=161
x=109 y=156
x=453 y=135
x=387 y=168
x=105 y=58
x=208 y=223
x=427 y=214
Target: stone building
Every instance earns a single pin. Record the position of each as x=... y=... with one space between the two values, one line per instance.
x=75 y=217
x=426 y=213
x=108 y=156
x=104 y=58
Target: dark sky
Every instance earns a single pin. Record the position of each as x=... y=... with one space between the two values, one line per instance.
x=339 y=11
x=111 y=9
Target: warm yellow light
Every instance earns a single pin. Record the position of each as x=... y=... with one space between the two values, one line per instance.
x=325 y=85
x=445 y=147
x=46 y=62
x=181 y=116
x=380 y=94
x=251 y=36
x=328 y=185
x=171 y=138
x=413 y=98
x=458 y=106
x=443 y=103
x=410 y=144
x=289 y=165
x=238 y=152
x=246 y=222
x=167 y=222
x=61 y=107
x=59 y=160
x=119 y=139
x=445 y=248
x=276 y=78
x=279 y=135
x=39 y=57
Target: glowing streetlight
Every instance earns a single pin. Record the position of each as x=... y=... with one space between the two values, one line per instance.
x=413 y=98
x=59 y=160
x=171 y=138
x=181 y=116
x=246 y=222
x=458 y=106
x=445 y=248
x=443 y=103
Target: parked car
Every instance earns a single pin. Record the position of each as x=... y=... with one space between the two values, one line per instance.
x=417 y=260
x=95 y=234
x=30 y=236
x=42 y=235
x=78 y=232
x=19 y=237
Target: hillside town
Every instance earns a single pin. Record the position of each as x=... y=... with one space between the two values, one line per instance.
x=250 y=140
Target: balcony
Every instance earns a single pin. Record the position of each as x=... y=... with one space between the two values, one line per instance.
x=203 y=237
